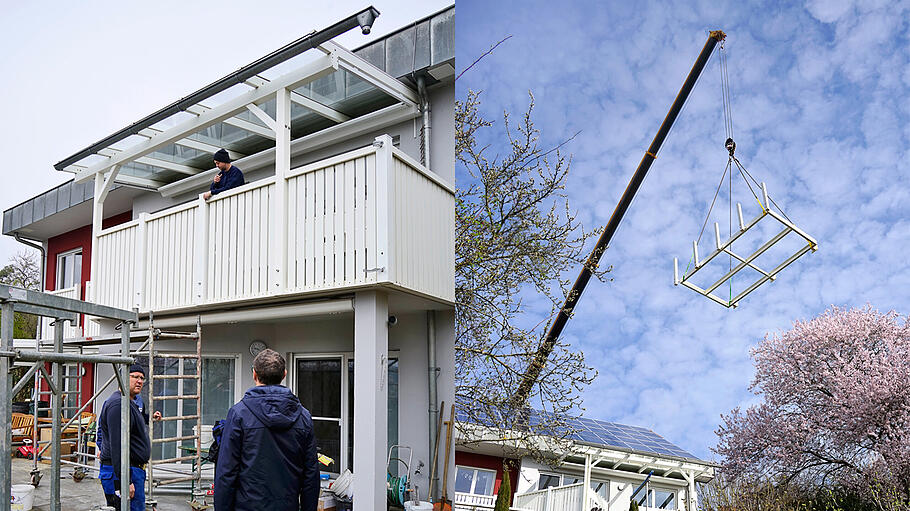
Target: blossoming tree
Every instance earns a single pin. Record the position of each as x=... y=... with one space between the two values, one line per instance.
x=836 y=405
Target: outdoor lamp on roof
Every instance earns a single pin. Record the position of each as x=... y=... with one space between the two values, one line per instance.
x=366 y=20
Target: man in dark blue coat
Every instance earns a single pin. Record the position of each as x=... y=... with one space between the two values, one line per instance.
x=267 y=458
x=228 y=176
x=109 y=444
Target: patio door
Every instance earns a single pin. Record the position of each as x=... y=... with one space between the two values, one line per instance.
x=319 y=386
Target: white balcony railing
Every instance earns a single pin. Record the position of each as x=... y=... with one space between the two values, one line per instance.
x=369 y=216
x=471 y=502
x=561 y=498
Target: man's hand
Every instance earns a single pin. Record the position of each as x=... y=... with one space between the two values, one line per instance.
x=207 y=195
x=217 y=178
x=132 y=490
x=156 y=415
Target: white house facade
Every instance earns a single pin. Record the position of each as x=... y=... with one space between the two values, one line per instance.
x=338 y=252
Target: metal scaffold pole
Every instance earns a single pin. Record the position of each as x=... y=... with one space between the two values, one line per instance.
x=61 y=309
x=6 y=417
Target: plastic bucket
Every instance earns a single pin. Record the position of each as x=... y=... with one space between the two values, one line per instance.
x=21 y=497
x=206 y=435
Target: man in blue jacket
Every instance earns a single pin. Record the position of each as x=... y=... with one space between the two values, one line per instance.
x=228 y=176
x=267 y=457
x=109 y=444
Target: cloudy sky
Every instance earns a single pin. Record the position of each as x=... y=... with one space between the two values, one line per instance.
x=75 y=72
x=820 y=113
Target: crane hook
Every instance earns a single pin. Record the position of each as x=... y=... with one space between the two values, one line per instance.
x=730 y=145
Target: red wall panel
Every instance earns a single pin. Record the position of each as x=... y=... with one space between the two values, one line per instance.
x=77 y=238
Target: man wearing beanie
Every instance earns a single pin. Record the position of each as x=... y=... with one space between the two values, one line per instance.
x=268 y=448
x=109 y=444
x=228 y=175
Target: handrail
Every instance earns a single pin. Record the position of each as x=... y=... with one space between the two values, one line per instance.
x=119 y=227
x=330 y=161
x=259 y=183
x=171 y=211
x=401 y=155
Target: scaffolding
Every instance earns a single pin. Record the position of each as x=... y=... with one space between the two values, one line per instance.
x=61 y=309
x=148 y=350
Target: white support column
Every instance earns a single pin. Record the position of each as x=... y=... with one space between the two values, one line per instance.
x=201 y=251
x=587 y=481
x=142 y=248
x=97 y=214
x=282 y=167
x=690 y=490
x=384 y=227
x=371 y=348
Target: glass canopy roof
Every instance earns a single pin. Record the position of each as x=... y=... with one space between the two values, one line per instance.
x=340 y=89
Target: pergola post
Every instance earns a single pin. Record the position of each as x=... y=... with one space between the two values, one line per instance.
x=282 y=168
x=587 y=481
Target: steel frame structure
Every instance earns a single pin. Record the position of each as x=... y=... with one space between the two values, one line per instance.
x=726 y=247
x=12 y=300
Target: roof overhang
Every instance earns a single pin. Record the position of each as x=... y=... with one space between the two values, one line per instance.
x=333 y=91
x=486 y=440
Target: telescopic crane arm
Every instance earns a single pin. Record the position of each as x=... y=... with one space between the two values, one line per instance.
x=520 y=397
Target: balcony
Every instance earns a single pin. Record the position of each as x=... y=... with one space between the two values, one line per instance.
x=369 y=217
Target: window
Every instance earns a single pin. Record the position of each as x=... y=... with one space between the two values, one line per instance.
x=554 y=480
x=657 y=498
x=325 y=386
x=69 y=269
x=663 y=499
x=476 y=481
x=219 y=381
x=600 y=488
x=548 y=480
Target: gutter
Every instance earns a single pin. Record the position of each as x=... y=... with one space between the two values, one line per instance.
x=41 y=249
x=364 y=19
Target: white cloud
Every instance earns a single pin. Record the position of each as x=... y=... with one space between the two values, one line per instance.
x=820 y=115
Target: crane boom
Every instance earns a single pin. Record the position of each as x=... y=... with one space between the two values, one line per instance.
x=520 y=397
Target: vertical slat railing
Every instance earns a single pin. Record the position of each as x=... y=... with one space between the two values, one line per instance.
x=240 y=232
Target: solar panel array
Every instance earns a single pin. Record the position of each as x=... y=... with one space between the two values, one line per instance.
x=619 y=435
x=608 y=434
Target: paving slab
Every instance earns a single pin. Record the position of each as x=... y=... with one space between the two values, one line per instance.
x=81 y=496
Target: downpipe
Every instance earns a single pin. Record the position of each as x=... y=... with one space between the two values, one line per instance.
x=425 y=107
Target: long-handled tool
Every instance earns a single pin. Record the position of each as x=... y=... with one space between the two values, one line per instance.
x=442 y=412
x=444 y=504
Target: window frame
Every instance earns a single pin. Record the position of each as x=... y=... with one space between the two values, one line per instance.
x=474 y=479
x=346 y=358
x=61 y=264
x=238 y=394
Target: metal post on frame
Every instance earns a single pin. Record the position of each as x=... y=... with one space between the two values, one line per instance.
x=125 y=418
x=56 y=396
x=6 y=417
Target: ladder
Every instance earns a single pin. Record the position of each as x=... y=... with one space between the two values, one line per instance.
x=171 y=475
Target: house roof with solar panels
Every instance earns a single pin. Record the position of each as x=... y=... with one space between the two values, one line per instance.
x=623 y=454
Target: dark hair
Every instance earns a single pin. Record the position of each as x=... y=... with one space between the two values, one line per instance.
x=269 y=366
